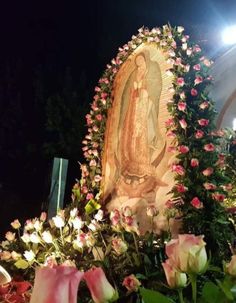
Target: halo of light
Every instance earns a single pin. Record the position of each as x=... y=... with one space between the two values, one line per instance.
x=229 y=35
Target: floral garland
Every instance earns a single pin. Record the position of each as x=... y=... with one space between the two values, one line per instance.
x=200 y=181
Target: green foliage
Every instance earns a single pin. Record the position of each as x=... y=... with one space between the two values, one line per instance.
x=151 y=296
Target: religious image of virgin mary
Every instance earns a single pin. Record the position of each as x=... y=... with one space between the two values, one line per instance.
x=140 y=143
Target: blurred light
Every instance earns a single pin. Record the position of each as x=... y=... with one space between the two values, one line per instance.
x=234 y=124
x=229 y=35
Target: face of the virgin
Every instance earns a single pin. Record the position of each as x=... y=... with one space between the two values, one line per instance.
x=140 y=61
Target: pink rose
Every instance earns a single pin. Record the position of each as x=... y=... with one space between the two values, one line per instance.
x=204 y=105
x=183 y=123
x=178 y=169
x=16 y=224
x=209 y=186
x=101 y=290
x=197 y=67
x=182 y=106
x=183 y=149
x=208 y=171
x=198 y=80
x=209 y=147
x=58 y=284
x=97 y=89
x=182 y=95
x=175 y=278
x=93 y=163
x=181 y=188
x=228 y=186
x=119 y=246
x=194 y=162
x=115 y=217
x=218 y=197
x=130 y=224
x=231 y=266
x=203 y=122
x=189 y=51
x=195 y=202
x=151 y=211
x=187 y=253
x=199 y=134
x=10 y=236
x=89 y=119
x=197 y=49
x=43 y=216
x=131 y=283
x=89 y=196
x=194 y=92
x=180 y=81
x=207 y=63
x=99 y=117
x=97 y=178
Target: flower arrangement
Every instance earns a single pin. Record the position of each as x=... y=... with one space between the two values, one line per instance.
x=104 y=253
x=114 y=262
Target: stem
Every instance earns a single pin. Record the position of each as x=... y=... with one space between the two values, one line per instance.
x=62 y=240
x=194 y=287
x=136 y=248
x=136 y=244
x=129 y=259
x=103 y=241
x=181 y=298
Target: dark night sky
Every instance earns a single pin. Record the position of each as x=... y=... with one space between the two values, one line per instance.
x=84 y=35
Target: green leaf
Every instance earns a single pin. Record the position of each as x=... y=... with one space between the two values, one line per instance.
x=210 y=292
x=226 y=288
x=91 y=206
x=21 y=264
x=151 y=296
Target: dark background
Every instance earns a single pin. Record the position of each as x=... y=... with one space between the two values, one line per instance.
x=51 y=56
